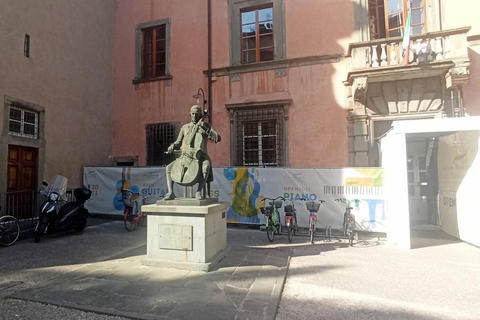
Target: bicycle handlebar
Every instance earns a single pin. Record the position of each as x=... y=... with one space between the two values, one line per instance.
x=344 y=200
x=279 y=197
x=308 y=200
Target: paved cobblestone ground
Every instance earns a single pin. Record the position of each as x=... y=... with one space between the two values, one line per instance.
x=100 y=271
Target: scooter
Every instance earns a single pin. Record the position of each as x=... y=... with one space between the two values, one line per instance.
x=56 y=218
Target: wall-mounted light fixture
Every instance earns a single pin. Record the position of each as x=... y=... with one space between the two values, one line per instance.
x=201 y=94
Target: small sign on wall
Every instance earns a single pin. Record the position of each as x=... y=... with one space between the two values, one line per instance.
x=175 y=237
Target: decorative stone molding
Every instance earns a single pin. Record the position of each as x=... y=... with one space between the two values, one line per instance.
x=360 y=89
x=457 y=77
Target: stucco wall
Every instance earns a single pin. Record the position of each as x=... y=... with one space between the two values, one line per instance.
x=471 y=94
x=318 y=27
x=69 y=74
x=158 y=101
x=461 y=13
x=465 y=13
x=317 y=122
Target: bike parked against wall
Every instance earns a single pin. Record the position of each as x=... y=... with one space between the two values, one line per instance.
x=273 y=224
x=313 y=207
x=132 y=214
x=349 y=227
x=9 y=230
x=291 y=220
x=55 y=217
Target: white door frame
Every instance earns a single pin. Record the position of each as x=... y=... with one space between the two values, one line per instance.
x=394 y=161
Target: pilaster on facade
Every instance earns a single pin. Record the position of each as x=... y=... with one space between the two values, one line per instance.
x=455 y=80
x=358 y=123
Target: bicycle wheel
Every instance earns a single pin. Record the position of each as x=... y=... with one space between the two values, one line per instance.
x=144 y=219
x=351 y=234
x=129 y=223
x=290 y=232
x=9 y=230
x=312 y=231
x=345 y=225
x=270 y=233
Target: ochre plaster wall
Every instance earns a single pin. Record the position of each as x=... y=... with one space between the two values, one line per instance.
x=134 y=106
x=68 y=73
x=318 y=27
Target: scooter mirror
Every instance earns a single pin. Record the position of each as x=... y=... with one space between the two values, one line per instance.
x=45 y=184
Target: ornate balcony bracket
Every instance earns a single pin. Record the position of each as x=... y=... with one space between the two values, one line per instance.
x=360 y=89
x=457 y=77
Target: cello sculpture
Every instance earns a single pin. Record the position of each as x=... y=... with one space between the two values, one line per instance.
x=194 y=165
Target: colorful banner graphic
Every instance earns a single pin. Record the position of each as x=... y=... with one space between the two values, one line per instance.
x=245 y=188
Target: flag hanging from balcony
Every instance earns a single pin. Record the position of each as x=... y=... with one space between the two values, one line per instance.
x=406 y=37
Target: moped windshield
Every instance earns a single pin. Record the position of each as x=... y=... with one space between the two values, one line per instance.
x=60 y=185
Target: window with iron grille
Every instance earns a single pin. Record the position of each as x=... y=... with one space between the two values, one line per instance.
x=23 y=123
x=259 y=137
x=159 y=137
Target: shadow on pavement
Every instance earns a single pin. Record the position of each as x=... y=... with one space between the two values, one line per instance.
x=430 y=238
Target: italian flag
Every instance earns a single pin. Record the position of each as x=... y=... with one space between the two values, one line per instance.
x=406 y=37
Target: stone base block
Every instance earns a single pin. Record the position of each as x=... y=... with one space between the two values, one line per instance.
x=192 y=266
x=185 y=236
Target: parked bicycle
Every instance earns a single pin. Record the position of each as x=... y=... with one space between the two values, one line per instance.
x=132 y=214
x=349 y=229
x=273 y=224
x=9 y=230
x=291 y=220
x=313 y=207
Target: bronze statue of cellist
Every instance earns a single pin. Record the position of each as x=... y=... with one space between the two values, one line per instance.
x=194 y=159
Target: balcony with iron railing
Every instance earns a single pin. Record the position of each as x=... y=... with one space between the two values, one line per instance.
x=431 y=54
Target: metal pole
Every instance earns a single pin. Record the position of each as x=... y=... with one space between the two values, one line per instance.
x=209 y=27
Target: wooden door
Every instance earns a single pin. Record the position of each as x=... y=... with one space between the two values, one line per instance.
x=21 y=181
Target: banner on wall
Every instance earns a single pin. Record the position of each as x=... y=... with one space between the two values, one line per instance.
x=245 y=188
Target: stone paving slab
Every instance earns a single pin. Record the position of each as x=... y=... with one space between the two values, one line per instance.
x=246 y=284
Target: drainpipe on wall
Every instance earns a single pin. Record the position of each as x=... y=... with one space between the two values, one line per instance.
x=209 y=36
x=440 y=4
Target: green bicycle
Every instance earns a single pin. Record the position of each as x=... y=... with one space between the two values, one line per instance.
x=273 y=224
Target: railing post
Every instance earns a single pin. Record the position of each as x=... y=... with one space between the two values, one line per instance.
x=393 y=54
x=368 y=60
x=439 y=48
x=383 y=57
x=447 y=47
x=374 y=56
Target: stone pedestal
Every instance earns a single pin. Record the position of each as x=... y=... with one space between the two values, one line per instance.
x=186 y=235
